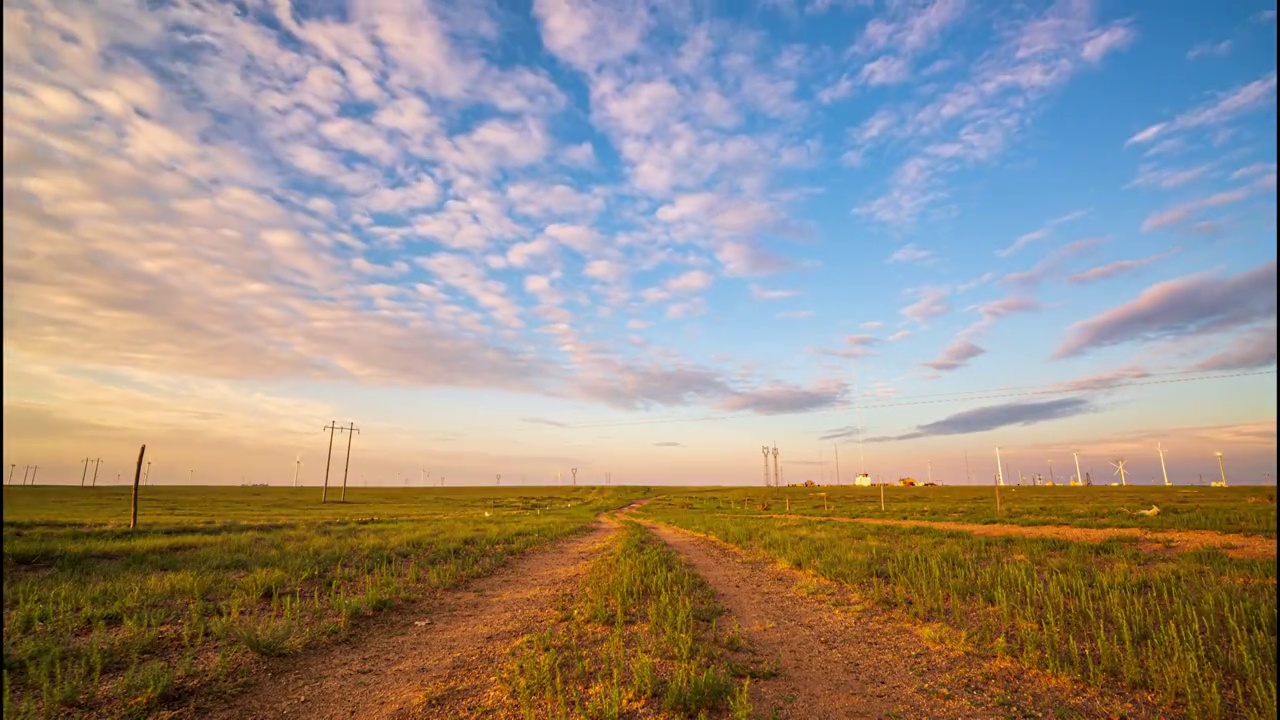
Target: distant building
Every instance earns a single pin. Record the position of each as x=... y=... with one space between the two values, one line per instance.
x=907 y=482
x=863 y=480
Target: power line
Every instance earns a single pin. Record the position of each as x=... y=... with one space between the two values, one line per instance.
x=990 y=394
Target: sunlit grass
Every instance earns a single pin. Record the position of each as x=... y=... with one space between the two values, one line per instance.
x=639 y=636
x=103 y=621
x=1196 y=630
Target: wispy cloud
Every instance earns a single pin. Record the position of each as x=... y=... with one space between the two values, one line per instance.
x=995 y=417
x=1193 y=305
x=1183 y=212
x=1039 y=234
x=1210 y=49
x=1112 y=269
x=762 y=293
x=543 y=421
x=909 y=253
x=1052 y=262
x=668 y=443
x=1255 y=348
x=932 y=304
x=1247 y=98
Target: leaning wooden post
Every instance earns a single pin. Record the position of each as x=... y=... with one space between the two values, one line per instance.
x=137 y=475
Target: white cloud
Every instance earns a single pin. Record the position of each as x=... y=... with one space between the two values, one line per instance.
x=909 y=253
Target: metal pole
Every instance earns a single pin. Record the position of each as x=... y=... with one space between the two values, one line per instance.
x=297 y=465
x=83 y=475
x=350 y=431
x=999 y=467
x=25 y=472
x=1163 y=471
x=96 y=463
x=14 y=466
x=575 y=476
x=968 y=476
x=146 y=479
x=1050 y=471
x=764 y=450
x=1076 y=454
x=777 y=482
x=929 y=468
x=328 y=460
x=1221 y=469
x=837 y=449
x=34 y=469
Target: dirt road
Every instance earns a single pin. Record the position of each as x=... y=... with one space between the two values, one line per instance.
x=840 y=659
x=444 y=667
x=1241 y=546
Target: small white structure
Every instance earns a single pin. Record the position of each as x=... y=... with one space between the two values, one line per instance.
x=863 y=480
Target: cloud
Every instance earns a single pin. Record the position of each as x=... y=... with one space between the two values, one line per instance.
x=1206 y=49
x=1249 y=171
x=1052 y=263
x=911 y=253
x=1150 y=175
x=1119 y=267
x=761 y=293
x=1253 y=349
x=995 y=417
x=932 y=304
x=668 y=443
x=900 y=335
x=1180 y=213
x=872 y=325
x=955 y=356
x=972 y=121
x=1040 y=234
x=690 y=282
x=781 y=398
x=1191 y=305
x=544 y=421
x=1227 y=106
x=1106 y=380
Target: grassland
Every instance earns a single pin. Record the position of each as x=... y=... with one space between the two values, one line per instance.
x=101 y=621
x=639 y=639
x=1244 y=510
x=1197 y=629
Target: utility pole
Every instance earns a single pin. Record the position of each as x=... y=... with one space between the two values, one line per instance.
x=765 y=451
x=297 y=465
x=1051 y=470
x=83 y=476
x=575 y=476
x=1221 y=469
x=14 y=466
x=777 y=477
x=836 y=446
x=968 y=476
x=1076 y=455
x=25 y=472
x=929 y=468
x=96 y=463
x=137 y=472
x=191 y=476
x=146 y=479
x=999 y=467
x=1163 y=471
x=350 y=431
x=499 y=476
x=324 y=495
x=36 y=468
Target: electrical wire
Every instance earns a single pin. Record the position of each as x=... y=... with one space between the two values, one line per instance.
x=989 y=394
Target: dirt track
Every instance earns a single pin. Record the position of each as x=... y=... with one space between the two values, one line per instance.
x=449 y=664
x=1240 y=546
x=839 y=659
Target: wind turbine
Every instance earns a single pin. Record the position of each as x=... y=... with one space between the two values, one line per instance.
x=1163 y=471
x=1221 y=469
x=1119 y=466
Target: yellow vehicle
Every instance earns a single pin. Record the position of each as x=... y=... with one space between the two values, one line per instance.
x=907 y=482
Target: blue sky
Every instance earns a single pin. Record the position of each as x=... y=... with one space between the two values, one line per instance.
x=639 y=237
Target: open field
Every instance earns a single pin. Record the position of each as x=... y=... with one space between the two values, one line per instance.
x=101 y=621
x=1102 y=612
x=549 y=602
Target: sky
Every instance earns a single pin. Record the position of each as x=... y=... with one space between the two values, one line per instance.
x=639 y=238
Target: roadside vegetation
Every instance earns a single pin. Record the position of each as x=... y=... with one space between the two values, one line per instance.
x=101 y=621
x=1194 y=630
x=641 y=638
x=1244 y=510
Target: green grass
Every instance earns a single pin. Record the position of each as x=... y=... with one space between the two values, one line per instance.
x=639 y=638
x=1244 y=510
x=1195 y=630
x=106 y=622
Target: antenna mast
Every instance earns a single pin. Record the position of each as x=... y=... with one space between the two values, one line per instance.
x=1163 y=471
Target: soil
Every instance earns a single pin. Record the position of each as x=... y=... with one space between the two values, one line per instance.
x=840 y=658
x=436 y=662
x=1239 y=546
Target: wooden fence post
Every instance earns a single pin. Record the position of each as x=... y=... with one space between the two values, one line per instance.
x=137 y=475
